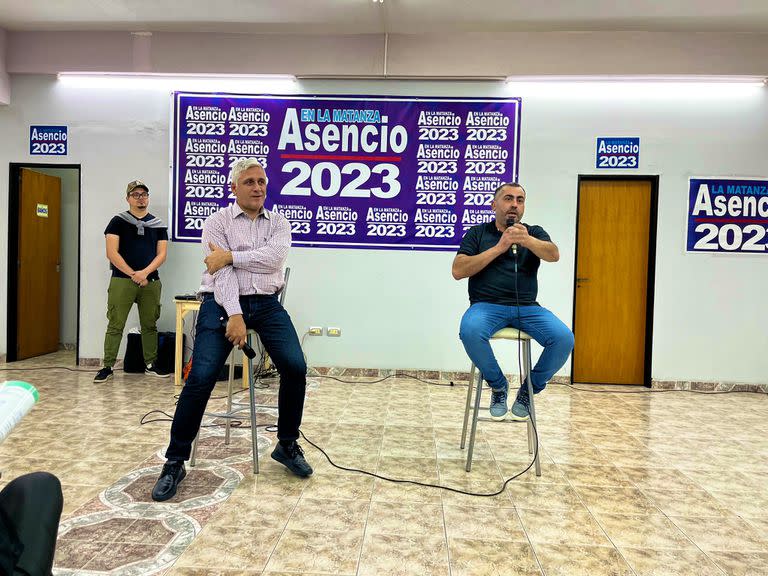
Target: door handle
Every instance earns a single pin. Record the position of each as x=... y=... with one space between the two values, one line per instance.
x=582 y=279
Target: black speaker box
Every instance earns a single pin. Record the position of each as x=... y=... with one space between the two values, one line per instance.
x=166 y=348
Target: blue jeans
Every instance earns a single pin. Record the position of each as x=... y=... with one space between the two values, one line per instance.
x=482 y=320
x=267 y=316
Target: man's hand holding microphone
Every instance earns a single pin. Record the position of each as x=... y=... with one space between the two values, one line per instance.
x=515 y=234
x=235 y=332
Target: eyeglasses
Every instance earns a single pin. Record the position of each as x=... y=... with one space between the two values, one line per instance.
x=138 y=195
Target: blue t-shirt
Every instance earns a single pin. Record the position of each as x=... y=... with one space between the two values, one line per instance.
x=496 y=283
x=137 y=251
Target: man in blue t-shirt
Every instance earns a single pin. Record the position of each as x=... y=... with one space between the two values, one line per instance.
x=501 y=259
x=137 y=243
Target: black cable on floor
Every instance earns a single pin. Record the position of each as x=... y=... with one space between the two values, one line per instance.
x=272 y=428
x=425 y=484
x=59 y=368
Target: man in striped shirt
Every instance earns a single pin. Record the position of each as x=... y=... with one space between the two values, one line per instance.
x=246 y=246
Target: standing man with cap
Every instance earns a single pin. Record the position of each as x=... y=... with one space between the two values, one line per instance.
x=137 y=243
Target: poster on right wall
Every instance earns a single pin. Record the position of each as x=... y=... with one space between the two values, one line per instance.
x=727 y=215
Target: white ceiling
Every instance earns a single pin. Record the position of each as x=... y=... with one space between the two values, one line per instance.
x=393 y=16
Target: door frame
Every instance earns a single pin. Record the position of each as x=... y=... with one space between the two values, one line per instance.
x=14 y=201
x=653 y=180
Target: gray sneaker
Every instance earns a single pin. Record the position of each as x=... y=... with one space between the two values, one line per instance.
x=498 y=407
x=521 y=409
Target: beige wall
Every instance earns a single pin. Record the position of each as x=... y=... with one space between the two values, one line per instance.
x=452 y=55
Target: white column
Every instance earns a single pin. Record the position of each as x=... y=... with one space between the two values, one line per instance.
x=5 y=80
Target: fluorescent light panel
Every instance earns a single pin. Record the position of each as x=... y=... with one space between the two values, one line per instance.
x=659 y=79
x=169 y=82
x=635 y=86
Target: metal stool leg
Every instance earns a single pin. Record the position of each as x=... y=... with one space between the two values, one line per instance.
x=475 y=413
x=526 y=382
x=194 y=449
x=230 y=382
x=532 y=429
x=469 y=403
x=252 y=396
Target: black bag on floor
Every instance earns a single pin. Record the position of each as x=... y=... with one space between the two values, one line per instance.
x=134 y=354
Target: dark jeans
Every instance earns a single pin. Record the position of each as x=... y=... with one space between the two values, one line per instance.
x=30 y=508
x=267 y=316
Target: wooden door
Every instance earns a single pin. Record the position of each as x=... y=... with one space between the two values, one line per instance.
x=611 y=281
x=37 y=328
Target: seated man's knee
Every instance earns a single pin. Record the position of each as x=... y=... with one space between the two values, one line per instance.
x=50 y=484
x=565 y=339
x=470 y=329
x=571 y=339
x=294 y=368
x=35 y=485
x=202 y=379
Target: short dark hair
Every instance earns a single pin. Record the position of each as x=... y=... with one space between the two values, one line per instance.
x=508 y=185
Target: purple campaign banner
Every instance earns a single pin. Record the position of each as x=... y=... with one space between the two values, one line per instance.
x=348 y=171
x=727 y=215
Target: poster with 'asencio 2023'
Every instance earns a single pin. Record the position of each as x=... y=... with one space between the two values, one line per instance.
x=347 y=171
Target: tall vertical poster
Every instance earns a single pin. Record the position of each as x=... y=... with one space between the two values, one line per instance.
x=348 y=172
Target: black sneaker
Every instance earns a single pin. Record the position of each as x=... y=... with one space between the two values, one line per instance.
x=165 y=487
x=104 y=374
x=151 y=370
x=292 y=457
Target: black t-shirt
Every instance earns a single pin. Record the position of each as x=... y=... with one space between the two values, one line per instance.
x=496 y=282
x=137 y=251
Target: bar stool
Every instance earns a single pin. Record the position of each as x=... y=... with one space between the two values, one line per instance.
x=525 y=341
x=234 y=408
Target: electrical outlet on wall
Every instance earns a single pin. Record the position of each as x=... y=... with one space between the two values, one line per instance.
x=315 y=331
x=334 y=332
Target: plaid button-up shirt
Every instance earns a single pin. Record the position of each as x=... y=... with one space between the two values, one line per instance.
x=259 y=249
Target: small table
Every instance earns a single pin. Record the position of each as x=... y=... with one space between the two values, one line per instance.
x=183 y=307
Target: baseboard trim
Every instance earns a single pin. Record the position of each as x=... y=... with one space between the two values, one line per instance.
x=463 y=376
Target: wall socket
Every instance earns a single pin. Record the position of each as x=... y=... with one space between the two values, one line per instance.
x=315 y=331
x=335 y=332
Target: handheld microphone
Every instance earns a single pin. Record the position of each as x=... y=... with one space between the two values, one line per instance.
x=511 y=222
x=247 y=350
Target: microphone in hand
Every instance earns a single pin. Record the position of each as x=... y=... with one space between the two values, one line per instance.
x=511 y=222
x=247 y=350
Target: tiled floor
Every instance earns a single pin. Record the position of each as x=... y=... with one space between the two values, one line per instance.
x=643 y=484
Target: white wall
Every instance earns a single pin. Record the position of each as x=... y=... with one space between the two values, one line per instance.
x=5 y=79
x=449 y=54
x=401 y=309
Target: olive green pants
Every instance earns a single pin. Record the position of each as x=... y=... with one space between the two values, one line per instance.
x=122 y=294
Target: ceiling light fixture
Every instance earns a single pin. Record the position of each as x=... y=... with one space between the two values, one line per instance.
x=635 y=86
x=200 y=82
